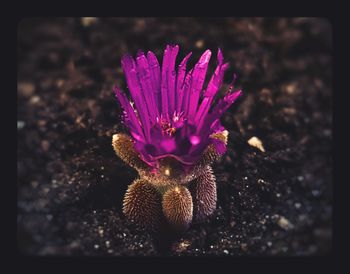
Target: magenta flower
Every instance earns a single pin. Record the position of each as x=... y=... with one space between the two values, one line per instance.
x=170 y=115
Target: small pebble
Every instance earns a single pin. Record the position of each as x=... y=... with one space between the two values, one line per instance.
x=315 y=193
x=200 y=43
x=34 y=100
x=256 y=142
x=300 y=178
x=291 y=88
x=20 y=124
x=284 y=223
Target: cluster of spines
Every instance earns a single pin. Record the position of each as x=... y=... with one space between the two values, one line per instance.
x=124 y=148
x=178 y=207
x=203 y=190
x=141 y=204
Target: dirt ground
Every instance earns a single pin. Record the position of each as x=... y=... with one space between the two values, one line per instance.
x=71 y=184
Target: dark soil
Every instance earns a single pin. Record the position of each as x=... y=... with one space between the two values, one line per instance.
x=71 y=184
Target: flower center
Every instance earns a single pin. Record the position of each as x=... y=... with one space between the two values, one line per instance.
x=170 y=128
x=167 y=127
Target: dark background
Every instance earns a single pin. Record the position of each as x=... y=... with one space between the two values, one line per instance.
x=71 y=184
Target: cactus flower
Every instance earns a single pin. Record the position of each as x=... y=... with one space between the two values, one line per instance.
x=170 y=114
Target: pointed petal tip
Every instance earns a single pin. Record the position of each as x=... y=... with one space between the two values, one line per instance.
x=173 y=50
x=205 y=57
x=188 y=55
x=140 y=53
x=232 y=84
x=234 y=95
x=172 y=46
x=226 y=66
x=152 y=57
x=220 y=56
x=150 y=53
x=185 y=59
x=127 y=61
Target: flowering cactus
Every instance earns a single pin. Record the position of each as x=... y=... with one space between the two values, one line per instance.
x=174 y=139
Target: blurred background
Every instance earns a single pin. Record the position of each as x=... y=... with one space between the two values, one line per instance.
x=274 y=182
